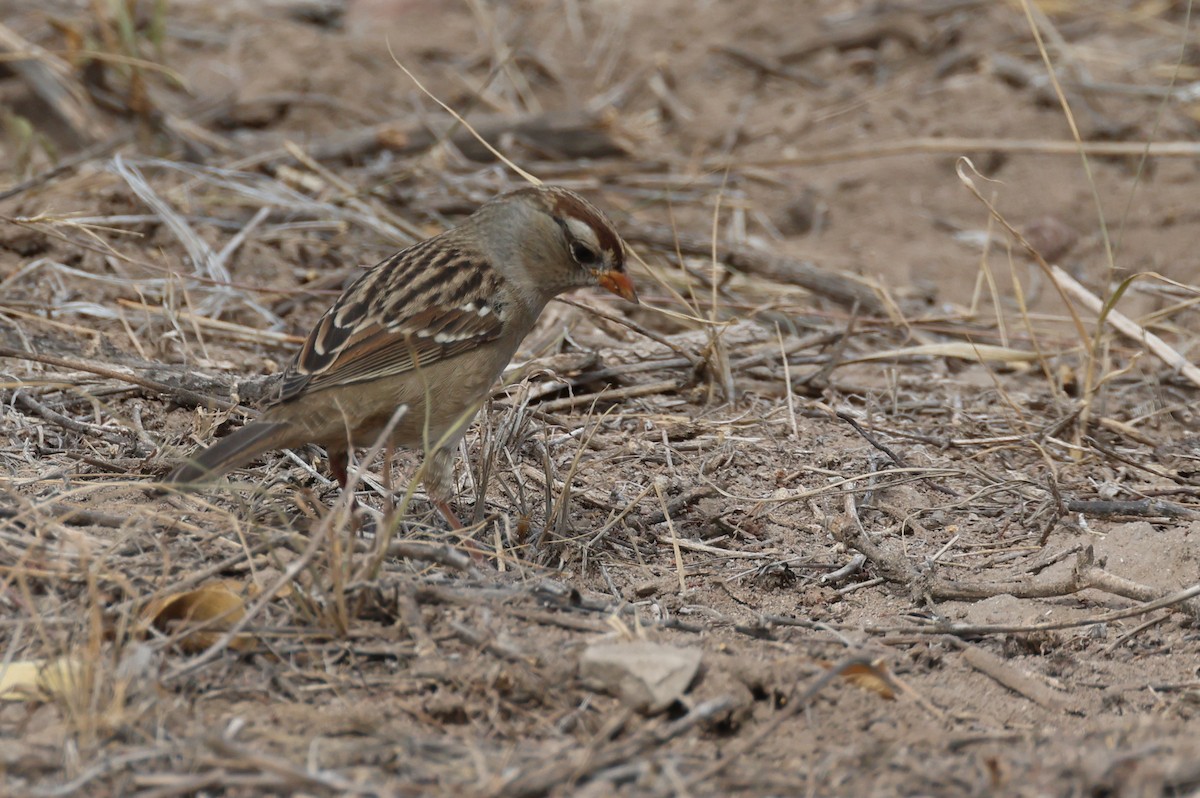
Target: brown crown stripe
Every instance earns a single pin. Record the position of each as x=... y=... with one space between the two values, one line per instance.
x=562 y=202
x=570 y=204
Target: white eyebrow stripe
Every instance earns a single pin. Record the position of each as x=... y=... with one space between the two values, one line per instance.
x=583 y=231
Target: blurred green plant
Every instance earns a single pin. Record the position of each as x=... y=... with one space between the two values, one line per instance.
x=116 y=50
x=21 y=142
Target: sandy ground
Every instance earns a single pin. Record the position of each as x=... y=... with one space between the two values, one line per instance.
x=928 y=523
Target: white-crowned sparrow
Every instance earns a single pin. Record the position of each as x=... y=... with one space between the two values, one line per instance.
x=431 y=329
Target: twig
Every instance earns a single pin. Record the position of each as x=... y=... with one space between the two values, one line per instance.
x=869 y=438
x=625 y=321
x=295 y=777
x=960 y=145
x=973 y=630
x=683 y=500
x=704 y=548
x=105 y=765
x=568 y=135
x=610 y=395
x=439 y=554
x=1150 y=508
x=1134 y=632
x=97 y=150
x=66 y=422
x=895 y=567
x=769 y=65
x=990 y=665
x=72 y=516
x=236 y=331
x=867 y=31
x=845 y=572
x=895 y=458
x=674 y=538
x=179 y=393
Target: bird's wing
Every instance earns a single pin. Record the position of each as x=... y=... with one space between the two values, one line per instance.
x=425 y=304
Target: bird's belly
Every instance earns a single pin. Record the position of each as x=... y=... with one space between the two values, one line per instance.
x=440 y=402
x=437 y=419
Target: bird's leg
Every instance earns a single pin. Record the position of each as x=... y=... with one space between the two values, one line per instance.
x=476 y=551
x=439 y=485
x=339 y=464
x=389 y=459
x=443 y=507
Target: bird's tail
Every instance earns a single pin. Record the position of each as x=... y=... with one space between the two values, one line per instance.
x=235 y=449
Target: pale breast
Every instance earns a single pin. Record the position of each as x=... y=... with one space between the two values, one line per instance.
x=442 y=401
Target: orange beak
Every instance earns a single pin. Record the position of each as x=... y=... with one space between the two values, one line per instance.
x=619 y=283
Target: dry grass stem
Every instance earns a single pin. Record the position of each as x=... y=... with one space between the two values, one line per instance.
x=885 y=407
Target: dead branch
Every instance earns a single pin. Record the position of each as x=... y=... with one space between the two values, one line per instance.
x=184 y=396
x=769 y=65
x=1014 y=679
x=562 y=136
x=837 y=286
x=1142 y=508
x=66 y=422
x=903 y=26
x=928 y=586
x=680 y=502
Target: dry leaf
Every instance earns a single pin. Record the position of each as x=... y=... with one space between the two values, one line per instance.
x=197 y=618
x=869 y=676
x=38 y=679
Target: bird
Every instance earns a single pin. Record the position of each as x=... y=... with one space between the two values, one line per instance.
x=413 y=347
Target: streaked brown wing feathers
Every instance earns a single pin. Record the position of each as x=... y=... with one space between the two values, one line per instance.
x=427 y=303
x=374 y=351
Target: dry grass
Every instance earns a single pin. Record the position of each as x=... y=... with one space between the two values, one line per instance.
x=807 y=471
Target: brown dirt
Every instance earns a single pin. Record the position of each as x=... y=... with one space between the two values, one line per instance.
x=1012 y=652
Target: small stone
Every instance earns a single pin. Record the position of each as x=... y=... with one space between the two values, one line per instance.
x=804 y=214
x=1050 y=237
x=646 y=676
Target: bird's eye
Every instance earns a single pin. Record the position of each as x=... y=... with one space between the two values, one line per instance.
x=583 y=254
